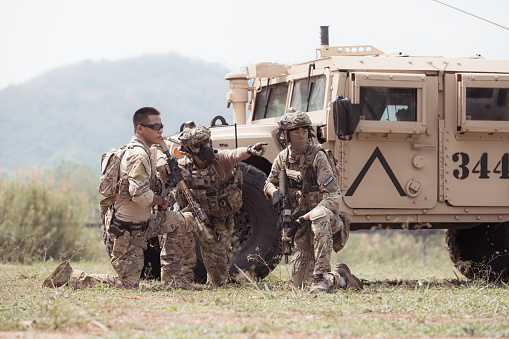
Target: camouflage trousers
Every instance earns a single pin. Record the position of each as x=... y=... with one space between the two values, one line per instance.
x=313 y=248
x=189 y=256
x=216 y=251
x=127 y=256
x=172 y=244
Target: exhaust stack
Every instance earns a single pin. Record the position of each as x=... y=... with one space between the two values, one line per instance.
x=238 y=96
x=324 y=36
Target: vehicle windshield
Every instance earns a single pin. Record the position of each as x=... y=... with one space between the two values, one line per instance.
x=271 y=101
x=315 y=91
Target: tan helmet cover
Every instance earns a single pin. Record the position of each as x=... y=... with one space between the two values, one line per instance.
x=293 y=119
x=196 y=134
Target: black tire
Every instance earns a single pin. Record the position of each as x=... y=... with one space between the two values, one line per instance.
x=255 y=229
x=480 y=252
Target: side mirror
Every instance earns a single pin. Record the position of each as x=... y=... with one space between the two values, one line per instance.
x=346 y=117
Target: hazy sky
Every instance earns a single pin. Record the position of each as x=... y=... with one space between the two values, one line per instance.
x=39 y=35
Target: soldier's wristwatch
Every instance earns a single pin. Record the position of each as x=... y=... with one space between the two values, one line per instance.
x=250 y=149
x=302 y=220
x=165 y=200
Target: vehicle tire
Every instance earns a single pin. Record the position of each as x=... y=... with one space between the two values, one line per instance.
x=481 y=251
x=255 y=229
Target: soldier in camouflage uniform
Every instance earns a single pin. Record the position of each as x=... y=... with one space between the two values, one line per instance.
x=131 y=213
x=314 y=195
x=216 y=183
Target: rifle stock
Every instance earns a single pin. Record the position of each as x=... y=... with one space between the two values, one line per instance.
x=175 y=178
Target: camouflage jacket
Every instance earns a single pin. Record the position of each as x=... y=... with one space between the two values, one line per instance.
x=139 y=183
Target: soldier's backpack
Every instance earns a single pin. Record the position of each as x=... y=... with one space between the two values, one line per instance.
x=110 y=171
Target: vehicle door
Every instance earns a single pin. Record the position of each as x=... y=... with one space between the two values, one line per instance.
x=391 y=162
x=476 y=140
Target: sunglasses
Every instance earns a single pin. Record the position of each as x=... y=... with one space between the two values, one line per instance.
x=155 y=127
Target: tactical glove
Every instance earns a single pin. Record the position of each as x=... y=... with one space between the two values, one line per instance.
x=257 y=149
x=294 y=226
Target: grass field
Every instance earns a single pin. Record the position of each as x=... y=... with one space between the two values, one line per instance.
x=411 y=290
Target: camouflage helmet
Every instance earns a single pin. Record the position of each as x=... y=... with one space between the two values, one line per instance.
x=294 y=119
x=193 y=134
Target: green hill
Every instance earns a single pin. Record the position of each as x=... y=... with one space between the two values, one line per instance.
x=76 y=112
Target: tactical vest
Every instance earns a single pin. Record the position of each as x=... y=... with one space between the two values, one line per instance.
x=215 y=200
x=303 y=186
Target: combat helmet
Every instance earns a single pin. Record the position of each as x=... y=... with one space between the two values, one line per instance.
x=294 y=119
x=193 y=134
x=196 y=136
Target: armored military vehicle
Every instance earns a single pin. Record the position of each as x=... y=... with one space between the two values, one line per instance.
x=421 y=142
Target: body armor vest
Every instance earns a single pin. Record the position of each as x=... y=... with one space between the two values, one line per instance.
x=303 y=185
x=216 y=200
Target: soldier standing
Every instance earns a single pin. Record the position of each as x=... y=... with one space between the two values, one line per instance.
x=129 y=219
x=216 y=183
x=314 y=196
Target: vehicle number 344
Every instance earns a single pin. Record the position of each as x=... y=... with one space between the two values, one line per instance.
x=481 y=168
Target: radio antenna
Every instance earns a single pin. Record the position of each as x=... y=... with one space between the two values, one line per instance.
x=475 y=16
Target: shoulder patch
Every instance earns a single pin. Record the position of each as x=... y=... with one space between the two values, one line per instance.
x=328 y=181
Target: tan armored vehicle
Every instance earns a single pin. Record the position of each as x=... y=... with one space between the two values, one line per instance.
x=421 y=142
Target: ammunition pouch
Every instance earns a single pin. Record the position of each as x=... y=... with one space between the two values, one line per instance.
x=301 y=204
x=219 y=202
x=294 y=179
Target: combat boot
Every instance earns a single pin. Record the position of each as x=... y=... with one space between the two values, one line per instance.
x=320 y=284
x=351 y=280
x=60 y=276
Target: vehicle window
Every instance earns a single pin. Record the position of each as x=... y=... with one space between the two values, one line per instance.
x=388 y=104
x=487 y=104
x=301 y=93
x=271 y=101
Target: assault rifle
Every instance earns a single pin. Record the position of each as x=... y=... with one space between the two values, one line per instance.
x=175 y=179
x=281 y=199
